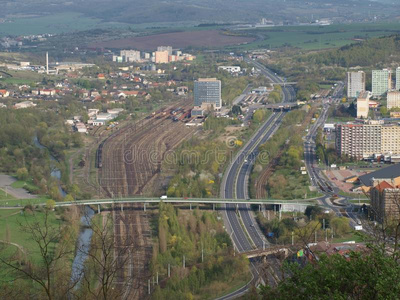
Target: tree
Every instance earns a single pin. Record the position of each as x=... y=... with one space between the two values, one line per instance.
x=22 y=174
x=236 y=110
x=365 y=275
x=108 y=257
x=44 y=264
x=50 y=204
x=69 y=198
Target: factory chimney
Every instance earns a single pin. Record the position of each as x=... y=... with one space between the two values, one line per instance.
x=47 y=63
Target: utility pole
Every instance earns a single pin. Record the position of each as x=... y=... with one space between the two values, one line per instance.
x=184 y=262
x=315 y=236
x=169 y=270
x=292 y=238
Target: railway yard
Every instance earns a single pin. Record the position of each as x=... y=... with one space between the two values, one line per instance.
x=130 y=158
x=127 y=161
x=132 y=230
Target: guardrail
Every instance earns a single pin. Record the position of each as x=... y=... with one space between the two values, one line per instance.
x=303 y=202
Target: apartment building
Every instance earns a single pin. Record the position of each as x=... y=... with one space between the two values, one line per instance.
x=398 y=79
x=358 y=140
x=381 y=82
x=208 y=91
x=355 y=84
x=130 y=55
x=165 y=48
x=385 y=200
x=393 y=99
x=390 y=139
x=363 y=105
x=161 y=57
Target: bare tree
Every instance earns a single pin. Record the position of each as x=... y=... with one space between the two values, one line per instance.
x=44 y=264
x=107 y=273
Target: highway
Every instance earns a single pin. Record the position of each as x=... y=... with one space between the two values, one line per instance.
x=318 y=180
x=235 y=182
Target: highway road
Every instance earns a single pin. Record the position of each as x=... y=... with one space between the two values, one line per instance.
x=235 y=182
x=318 y=180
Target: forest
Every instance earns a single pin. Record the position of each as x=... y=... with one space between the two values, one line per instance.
x=20 y=156
x=199 y=239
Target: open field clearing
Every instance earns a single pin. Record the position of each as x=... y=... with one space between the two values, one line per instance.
x=317 y=37
x=198 y=39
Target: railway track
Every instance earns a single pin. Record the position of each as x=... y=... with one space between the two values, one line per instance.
x=131 y=158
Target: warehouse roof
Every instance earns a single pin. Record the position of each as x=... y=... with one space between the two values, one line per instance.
x=385 y=173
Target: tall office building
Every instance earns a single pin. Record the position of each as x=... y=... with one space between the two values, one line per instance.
x=207 y=91
x=381 y=82
x=398 y=79
x=393 y=99
x=363 y=105
x=355 y=83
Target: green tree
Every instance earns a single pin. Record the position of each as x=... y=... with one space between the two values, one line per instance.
x=365 y=275
x=22 y=174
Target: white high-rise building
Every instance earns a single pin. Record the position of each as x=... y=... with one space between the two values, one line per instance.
x=130 y=55
x=393 y=99
x=165 y=48
x=363 y=105
x=355 y=84
x=381 y=82
x=398 y=79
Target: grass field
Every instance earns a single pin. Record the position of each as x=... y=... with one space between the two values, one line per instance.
x=56 y=23
x=10 y=221
x=4 y=196
x=317 y=37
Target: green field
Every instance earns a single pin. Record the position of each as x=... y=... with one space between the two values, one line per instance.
x=10 y=221
x=4 y=196
x=316 y=37
x=56 y=23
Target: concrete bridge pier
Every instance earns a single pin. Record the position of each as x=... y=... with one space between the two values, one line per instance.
x=237 y=208
x=213 y=207
x=122 y=207
x=190 y=206
x=98 y=208
x=144 y=207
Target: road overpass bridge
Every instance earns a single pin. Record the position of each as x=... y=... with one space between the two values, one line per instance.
x=263 y=253
x=299 y=203
x=282 y=106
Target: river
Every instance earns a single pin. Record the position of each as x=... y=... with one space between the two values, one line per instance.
x=85 y=236
x=55 y=172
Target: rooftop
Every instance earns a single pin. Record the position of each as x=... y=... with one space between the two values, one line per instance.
x=385 y=173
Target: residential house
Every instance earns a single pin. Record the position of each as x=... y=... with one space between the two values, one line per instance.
x=24 y=104
x=4 y=93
